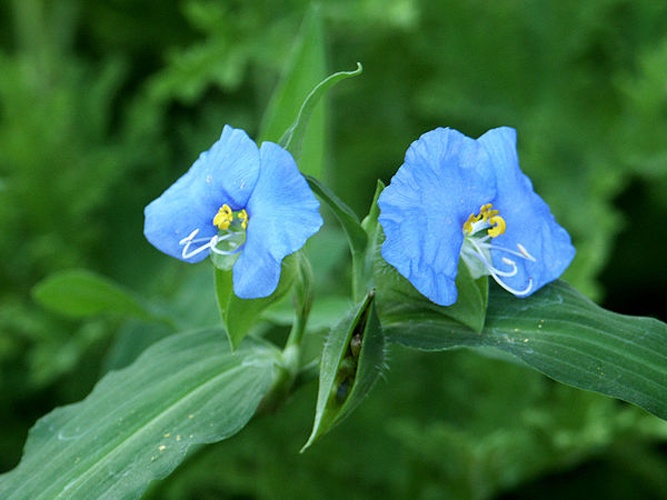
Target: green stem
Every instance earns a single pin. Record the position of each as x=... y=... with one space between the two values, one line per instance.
x=291 y=354
x=309 y=373
x=303 y=301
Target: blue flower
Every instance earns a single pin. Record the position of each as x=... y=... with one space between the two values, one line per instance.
x=241 y=202
x=459 y=198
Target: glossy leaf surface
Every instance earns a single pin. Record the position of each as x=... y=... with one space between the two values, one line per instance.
x=561 y=333
x=138 y=423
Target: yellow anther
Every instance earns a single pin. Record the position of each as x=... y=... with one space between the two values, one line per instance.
x=498 y=225
x=224 y=217
x=468 y=225
x=487 y=212
x=243 y=217
x=489 y=215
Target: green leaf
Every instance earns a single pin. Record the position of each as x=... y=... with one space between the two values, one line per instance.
x=240 y=315
x=138 y=423
x=304 y=69
x=293 y=138
x=363 y=268
x=80 y=293
x=561 y=333
x=293 y=117
x=352 y=359
x=356 y=236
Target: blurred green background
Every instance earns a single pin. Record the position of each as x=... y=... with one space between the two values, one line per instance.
x=104 y=104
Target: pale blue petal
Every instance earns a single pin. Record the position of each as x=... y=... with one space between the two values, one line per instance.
x=282 y=214
x=445 y=178
x=230 y=169
x=226 y=173
x=173 y=216
x=529 y=219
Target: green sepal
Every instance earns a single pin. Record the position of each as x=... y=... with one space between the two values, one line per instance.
x=472 y=301
x=352 y=359
x=240 y=315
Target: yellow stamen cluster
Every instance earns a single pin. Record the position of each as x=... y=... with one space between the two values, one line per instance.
x=491 y=217
x=225 y=216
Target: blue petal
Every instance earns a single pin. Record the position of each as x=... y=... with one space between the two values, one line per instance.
x=529 y=220
x=282 y=214
x=446 y=177
x=226 y=173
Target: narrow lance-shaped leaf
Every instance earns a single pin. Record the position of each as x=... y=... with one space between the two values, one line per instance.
x=294 y=136
x=356 y=236
x=305 y=67
x=138 y=423
x=559 y=332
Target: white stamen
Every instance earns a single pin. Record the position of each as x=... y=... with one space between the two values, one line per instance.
x=209 y=244
x=234 y=246
x=525 y=253
x=190 y=240
x=189 y=237
x=508 y=274
x=498 y=275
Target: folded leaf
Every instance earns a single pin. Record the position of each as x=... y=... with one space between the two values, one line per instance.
x=352 y=360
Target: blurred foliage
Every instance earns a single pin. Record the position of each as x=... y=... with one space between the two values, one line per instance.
x=103 y=104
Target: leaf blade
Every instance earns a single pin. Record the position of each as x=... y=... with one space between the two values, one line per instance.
x=138 y=423
x=305 y=68
x=356 y=236
x=564 y=335
x=81 y=293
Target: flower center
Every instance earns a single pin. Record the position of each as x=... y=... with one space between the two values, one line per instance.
x=226 y=217
x=479 y=230
x=227 y=243
x=487 y=218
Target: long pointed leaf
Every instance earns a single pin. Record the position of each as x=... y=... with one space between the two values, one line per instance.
x=356 y=236
x=305 y=68
x=561 y=333
x=138 y=423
